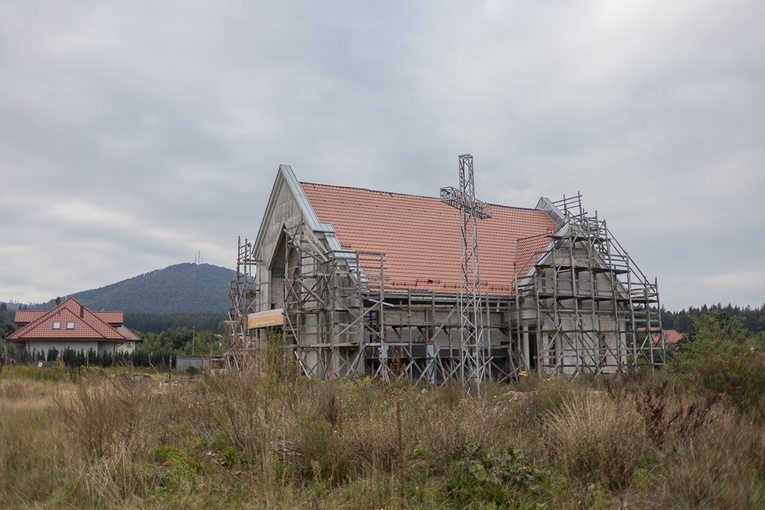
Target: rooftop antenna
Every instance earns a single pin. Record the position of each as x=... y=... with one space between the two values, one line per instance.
x=472 y=366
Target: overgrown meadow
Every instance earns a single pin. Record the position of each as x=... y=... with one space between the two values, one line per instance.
x=688 y=437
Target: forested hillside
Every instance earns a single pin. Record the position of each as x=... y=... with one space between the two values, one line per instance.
x=174 y=289
x=157 y=323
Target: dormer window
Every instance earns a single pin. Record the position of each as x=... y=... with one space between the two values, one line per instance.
x=70 y=325
x=56 y=325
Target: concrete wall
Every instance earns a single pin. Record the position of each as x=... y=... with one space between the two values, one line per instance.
x=201 y=363
x=285 y=213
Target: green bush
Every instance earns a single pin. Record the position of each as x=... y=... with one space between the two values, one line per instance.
x=494 y=477
x=719 y=357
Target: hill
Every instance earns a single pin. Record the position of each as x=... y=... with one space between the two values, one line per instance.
x=175 y=289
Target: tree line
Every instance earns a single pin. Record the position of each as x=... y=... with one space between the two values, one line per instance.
x=752 y=319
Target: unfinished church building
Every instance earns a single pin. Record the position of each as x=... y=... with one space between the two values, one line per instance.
x=368 y=282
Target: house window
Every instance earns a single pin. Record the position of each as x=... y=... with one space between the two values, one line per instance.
x=70 y=325
x=57 y=325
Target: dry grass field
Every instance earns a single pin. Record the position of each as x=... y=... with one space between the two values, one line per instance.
x=252 y=441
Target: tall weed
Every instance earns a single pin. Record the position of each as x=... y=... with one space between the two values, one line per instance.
x=597 y=440
x=723 y=467
x=106 y=414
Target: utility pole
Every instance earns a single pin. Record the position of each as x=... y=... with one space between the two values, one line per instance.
x=472 y=367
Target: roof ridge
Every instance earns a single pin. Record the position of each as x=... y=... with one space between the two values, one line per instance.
x=85 y=309
x=382 y=192
x=58 y=306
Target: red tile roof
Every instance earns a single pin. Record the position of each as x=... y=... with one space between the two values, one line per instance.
x=110 y=316
x=26 y=316
x=87 y=325
x=128 y=334
x=420 y=236
x=672 y=337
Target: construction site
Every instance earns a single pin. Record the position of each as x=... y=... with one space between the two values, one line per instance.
x=370 y=283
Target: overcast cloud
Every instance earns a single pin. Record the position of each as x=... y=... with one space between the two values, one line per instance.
x=134 y=135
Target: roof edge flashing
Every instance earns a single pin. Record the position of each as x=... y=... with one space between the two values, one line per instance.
x=549 y=208
x=326 y=228
x=285 y=176
x=300 y=197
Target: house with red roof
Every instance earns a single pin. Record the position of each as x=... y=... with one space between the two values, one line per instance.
x=70 y=325
x=365 y=282
x=672 y=337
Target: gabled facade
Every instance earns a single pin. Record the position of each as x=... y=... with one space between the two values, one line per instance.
x=368 y=282
x=70 y=325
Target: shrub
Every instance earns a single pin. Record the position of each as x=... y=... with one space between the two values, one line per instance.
x=494 y=477
x=664 y=415
x=719 y=357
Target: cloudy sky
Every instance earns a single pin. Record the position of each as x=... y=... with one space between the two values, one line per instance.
x=136 y=135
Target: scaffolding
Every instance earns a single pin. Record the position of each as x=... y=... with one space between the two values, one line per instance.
x=333 y=307
x=242 y=296
x=582 y=304
x=579 y=305
x=341 y=320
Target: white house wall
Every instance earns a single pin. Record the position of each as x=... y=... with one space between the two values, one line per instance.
x=62 y=345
